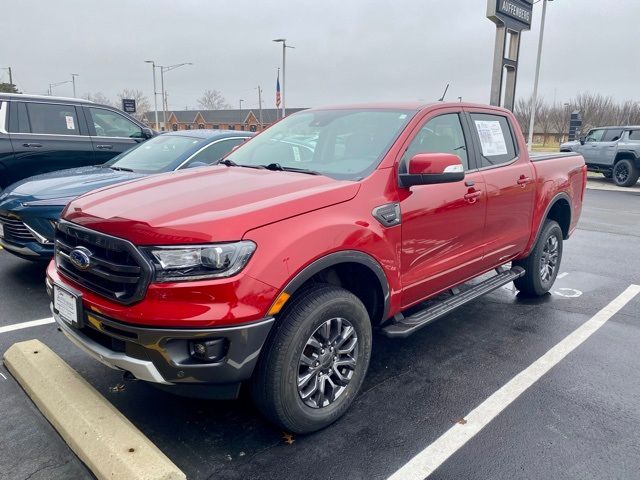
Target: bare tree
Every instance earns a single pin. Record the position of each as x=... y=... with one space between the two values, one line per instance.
x=142 y=101
x=213 y=100
x=522 y=111
x=98 y=97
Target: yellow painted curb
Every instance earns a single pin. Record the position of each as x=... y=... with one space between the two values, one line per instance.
x=109 y=444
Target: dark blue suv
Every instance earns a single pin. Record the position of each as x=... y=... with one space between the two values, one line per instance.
x=30 y=208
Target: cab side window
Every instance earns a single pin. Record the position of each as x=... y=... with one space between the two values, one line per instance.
x=442 y=134
x=595 y=135
x=495 y=138
x=53 y=119
x=111 y=124
x=612 y=135
x=634 y=135
x=214 y=152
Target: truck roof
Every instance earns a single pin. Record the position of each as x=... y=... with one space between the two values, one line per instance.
x=406 y=106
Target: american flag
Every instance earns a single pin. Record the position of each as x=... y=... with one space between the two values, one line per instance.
x=278 y=90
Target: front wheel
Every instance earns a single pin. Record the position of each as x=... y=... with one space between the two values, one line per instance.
x=314 y=361
x=542 y=264
x=625 y=173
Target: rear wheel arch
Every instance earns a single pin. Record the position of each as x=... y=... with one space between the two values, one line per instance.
x=355 y=271
x=559 y=210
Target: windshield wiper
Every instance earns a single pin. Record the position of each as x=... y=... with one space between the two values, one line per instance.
x=280 y=168
x=121 y=169
x=228 y=162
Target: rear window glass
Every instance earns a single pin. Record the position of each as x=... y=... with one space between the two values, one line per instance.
x=53 y=119
x=634 y=135
x=495 y=139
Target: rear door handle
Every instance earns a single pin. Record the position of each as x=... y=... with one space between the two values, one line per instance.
x=522 y=181
x=471 y=197
x=104 y=147
x=32 y=145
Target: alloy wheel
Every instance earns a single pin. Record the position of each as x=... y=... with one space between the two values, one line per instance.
x=549 y=259
x=622 y=173
x=327 y=363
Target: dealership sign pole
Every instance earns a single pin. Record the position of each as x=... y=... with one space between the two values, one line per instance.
x=511 y=17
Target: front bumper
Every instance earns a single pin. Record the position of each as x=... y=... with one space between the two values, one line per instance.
x=28 y=250
x=162 y=356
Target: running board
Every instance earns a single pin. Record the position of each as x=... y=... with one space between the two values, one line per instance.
x=406 y=326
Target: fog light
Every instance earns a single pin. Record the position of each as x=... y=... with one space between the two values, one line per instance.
x=208 y=350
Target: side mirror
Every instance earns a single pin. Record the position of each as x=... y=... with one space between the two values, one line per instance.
x=148 y=133
x=197 y=164
x=582 y=139
x=428 y=168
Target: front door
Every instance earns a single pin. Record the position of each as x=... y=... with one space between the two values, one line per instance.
x=111 y=133
x=510 y=187
x=608 y=148
x=592 y=146
x=442 y=224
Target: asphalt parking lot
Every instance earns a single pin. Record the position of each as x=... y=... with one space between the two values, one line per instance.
x=580 y=420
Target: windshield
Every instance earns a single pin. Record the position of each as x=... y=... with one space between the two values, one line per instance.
x=156 y=155
x=342 y=144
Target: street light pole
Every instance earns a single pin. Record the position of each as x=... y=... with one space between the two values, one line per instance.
x=51 y=85
x=241 y=100
x=284 y=62
x=260 y=106
x=155 y=93
x=73 y=79
x=165 y=107
x=534 y=98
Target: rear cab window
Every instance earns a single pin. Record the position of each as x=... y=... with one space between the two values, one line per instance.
x=495 y=139
x=634 y=135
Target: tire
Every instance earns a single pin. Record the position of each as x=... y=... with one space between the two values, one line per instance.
x=608 y=175
x=536 y=281
x=625 y=173
x=280 y=370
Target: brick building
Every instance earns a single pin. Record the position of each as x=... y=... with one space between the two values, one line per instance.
x=245 y=119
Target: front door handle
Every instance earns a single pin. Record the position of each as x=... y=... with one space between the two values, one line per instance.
x=32 y=145
x=472 y=197
x=104 y=147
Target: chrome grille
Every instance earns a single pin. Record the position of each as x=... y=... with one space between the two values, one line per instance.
x=14 y=229
x=117 y=270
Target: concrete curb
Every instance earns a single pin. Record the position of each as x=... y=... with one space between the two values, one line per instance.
x=109 y=444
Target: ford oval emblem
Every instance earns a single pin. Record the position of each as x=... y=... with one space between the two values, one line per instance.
x=80 y=258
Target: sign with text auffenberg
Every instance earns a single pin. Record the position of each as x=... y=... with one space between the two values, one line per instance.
x=515 y=14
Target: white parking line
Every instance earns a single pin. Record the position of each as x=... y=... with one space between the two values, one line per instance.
x=2 y=375
x=562 y=275
x=19 y=326
x=429 y=459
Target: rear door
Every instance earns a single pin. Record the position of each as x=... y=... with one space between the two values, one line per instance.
x=608 y=147
x=442 y=224
x=111 y=132
x=47 y=137
x=510 y=186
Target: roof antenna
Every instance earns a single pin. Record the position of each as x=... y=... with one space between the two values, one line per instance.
x=444 y=93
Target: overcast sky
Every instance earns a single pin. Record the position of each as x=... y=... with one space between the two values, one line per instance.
x=346 y=50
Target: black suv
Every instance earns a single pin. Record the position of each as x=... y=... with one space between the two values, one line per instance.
x=41 y=134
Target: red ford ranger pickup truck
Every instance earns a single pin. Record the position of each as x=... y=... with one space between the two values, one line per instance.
x=272 y=268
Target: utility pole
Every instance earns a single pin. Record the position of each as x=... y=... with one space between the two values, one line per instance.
x=534 y=98
x=73 y=79
x=163 y=92
x=260 y=107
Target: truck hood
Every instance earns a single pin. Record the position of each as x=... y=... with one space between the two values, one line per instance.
x=208 y=204
x=72 y=182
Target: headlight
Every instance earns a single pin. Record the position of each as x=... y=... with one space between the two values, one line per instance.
x=174 y=264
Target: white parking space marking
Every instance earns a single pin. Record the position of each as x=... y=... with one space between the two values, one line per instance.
x=568 y=292
x=429 y=459
x=2 y=375
x=32 y=323
x=562 y=275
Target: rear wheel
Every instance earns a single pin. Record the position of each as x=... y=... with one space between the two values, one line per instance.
x=542 y=264
x=314 y=361
x=625 y=173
